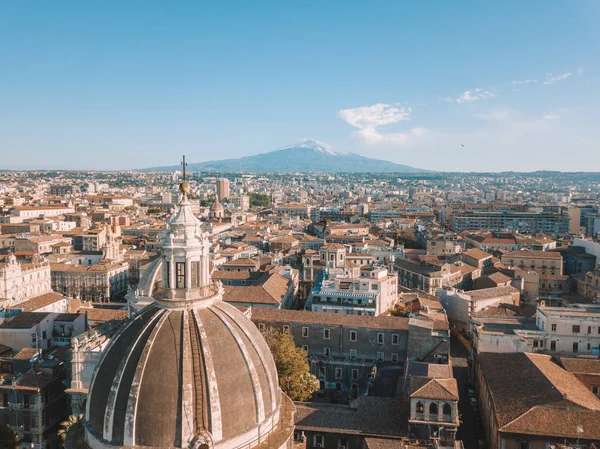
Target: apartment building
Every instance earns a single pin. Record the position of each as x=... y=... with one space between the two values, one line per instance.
x=429 y=275
x=573 y=330
x=461 y=305
x=101 y=282
x=343 y=349
x=28 y=212
x=294 y=210
x=532 y=222
x=372 y=292
x=543 y=262
x=33 y=404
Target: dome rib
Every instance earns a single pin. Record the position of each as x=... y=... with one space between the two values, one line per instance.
x=129 y=429
x=258 y=396
x=199 y=388
x=113 y=354
x=216 y=420
x=113 y=428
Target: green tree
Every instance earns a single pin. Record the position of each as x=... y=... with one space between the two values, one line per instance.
x=292 y=365
x=259 y=200
x=8 y=439
x=71 y=424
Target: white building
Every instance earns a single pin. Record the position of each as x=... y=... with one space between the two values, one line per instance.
x=20 y=282
x=460 y=306
x=555 y=330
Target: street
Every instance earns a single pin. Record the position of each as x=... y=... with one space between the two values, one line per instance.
x=467 y=429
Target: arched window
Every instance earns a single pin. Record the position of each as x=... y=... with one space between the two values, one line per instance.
x=433 y=409
x=420 y=407
x=447 y=409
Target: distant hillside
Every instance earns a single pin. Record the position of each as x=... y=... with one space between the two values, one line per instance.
x=306 y=156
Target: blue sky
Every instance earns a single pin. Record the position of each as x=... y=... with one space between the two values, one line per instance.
x=131 y=84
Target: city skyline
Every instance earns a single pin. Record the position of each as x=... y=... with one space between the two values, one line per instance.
x=475 y=88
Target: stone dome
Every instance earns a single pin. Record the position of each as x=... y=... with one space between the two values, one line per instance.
x=172 y=375
x=188 y=370
x=217 y=206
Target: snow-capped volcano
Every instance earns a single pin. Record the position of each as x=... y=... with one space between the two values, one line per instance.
x=315 y=145
x=304 y=156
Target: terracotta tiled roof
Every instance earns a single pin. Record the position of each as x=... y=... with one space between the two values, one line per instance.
x=520 y=382
x=39 y=302
x=557 y=422
x=581 y=366
x=442 y=389
x=528 y=253
x=301 y=316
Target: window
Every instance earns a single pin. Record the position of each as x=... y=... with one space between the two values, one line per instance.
x=321 y=372
x=354 y=374
x=395 y=339
x=352 y=335
x=305 y=347
x=338 y=373
x=305 y=332
x=447 y=409
x=394 y=358
x=552 y=345
x=576 y=329
x=195 y=274
x=595 y=389
x=380 y=339
x=286 y=328
x=180 y=271
x=575 y=346
x=319 y=441
x=535 y=343
x=261 y=326
x=353 y=353
x=374 y=287
x=380 y=356
x=589 y=329
x=524 y=445
x=553 y=327
x=433 y=409
x=420 y=407
x=326 y=334
x=326 y=352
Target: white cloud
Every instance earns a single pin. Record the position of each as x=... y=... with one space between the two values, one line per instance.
x=579 y=71
x=368 y=119
x=551 y=79
x=550 y=117
x=516 y=82
x=471 y=95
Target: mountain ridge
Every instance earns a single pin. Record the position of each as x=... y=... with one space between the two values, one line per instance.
x=304 y=156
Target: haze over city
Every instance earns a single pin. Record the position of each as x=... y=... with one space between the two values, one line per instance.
x=447 y=87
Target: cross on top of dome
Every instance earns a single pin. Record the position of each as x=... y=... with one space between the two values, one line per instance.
x=184 y=187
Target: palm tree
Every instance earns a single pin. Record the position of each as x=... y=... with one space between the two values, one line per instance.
x=71 y=424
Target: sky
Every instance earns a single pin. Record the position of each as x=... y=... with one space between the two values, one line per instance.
x=449 y=86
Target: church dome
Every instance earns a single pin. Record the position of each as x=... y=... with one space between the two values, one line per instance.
x=188 y=370
x=174 y=375
x=217 y=206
